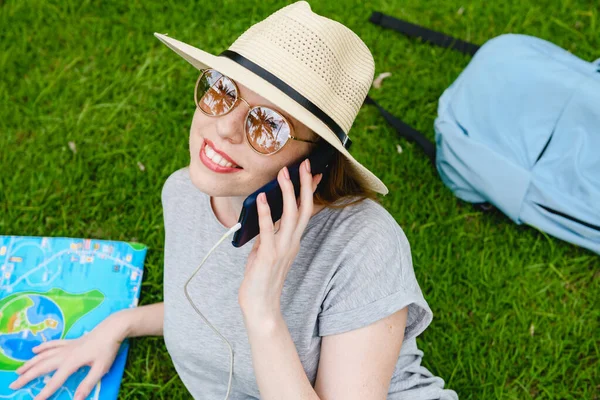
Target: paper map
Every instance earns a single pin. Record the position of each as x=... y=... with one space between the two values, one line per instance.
x=61 y=288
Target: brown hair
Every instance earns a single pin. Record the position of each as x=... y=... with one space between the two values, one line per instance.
x=340 y=183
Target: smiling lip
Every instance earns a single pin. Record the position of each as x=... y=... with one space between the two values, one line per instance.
x=215 y=167
x=222 y=154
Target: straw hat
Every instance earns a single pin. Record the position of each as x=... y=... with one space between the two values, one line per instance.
x=312 y=67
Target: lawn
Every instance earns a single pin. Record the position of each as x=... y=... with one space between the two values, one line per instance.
x=95 y=116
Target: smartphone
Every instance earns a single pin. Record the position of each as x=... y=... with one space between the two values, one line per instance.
x=319 y=163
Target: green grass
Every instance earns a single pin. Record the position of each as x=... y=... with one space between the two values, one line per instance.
x=516 y=311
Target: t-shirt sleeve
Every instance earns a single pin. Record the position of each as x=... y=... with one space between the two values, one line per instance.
x=375 y=278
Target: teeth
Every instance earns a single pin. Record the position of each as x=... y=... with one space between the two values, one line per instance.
x=209 y=151
x=216 y=158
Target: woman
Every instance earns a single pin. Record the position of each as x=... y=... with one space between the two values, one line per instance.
x=327 y=305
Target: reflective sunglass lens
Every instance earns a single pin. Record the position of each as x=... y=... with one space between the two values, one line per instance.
x=215 y=93
x=266 y=129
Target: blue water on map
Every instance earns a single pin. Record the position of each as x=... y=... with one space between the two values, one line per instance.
x=42 y=309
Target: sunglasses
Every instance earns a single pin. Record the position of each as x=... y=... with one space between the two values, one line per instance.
x=266 y=130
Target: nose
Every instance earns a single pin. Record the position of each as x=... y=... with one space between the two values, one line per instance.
x=231 y=126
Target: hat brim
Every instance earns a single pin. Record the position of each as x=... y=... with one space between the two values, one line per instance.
x=201 y=59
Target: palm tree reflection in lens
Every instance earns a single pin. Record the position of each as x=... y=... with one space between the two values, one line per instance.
x=216 y=92
x=267 y=131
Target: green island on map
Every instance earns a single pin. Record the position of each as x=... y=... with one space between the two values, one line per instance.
x=28 y=319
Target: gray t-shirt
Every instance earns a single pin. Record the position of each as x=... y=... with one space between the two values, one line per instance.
x=354 y=267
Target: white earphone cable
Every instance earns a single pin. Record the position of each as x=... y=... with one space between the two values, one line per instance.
x=233 y=229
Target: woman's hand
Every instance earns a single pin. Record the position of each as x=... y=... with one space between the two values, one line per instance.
x=96 y=349
x=274 y=251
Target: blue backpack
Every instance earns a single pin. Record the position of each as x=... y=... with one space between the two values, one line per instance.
x=518 y=129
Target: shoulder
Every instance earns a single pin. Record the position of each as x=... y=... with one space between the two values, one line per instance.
x=368 y=223
x=176 y=185
x=368 y=240
x=373 y=273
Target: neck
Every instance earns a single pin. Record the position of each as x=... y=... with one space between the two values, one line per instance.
x=228 y=209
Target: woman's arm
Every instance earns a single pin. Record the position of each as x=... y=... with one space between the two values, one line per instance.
x=359 y=364
x=353 y=365
x=143 y=321
x=279 y=372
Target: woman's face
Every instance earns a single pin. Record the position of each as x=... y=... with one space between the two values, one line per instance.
x=226 y=135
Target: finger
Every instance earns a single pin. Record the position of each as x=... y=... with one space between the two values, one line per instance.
x=289 y=217
x=35 y=360
x=87 y=384
x=59 y=377
x=265 y=224
x=49 y=345
x=41 y=368
x=306 y=199
x=317 y=179
x=277 y=225
x=256 y=243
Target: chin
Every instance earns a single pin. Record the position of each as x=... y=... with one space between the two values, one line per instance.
x=210 y=183
x=202 y=182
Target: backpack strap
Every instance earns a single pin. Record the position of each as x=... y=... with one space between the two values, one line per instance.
x=437 y=38
x=406 y=131
x=427 y=35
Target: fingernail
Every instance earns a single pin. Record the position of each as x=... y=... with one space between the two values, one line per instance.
x=308 y=165
x=286 y=172
x=262 y=197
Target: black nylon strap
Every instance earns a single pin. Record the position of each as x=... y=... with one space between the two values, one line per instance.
x=406 y=131
x=412 y=30
x=433 y=37
x=438 y=38
x=290 y=91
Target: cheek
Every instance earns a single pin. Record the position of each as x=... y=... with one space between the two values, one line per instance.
x=270 y=166
x=263 y=169
x=199 y=124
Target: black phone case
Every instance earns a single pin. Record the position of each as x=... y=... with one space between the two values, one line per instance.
x=319 y=161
